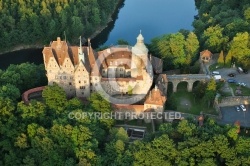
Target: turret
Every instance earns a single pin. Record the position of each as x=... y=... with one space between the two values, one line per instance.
x=139 y=57
x=80 y=52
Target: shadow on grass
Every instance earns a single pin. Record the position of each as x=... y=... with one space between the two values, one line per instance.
x=245 y=91
x=186 y=102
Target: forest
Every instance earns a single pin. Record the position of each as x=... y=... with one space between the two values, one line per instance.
x=41 y=132
x=220 y=26
x=25 y=22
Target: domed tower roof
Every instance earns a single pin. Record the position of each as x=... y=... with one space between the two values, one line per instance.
x=140 y=44
x=140 y=38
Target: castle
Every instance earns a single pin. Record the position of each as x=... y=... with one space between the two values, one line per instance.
x=129 y=75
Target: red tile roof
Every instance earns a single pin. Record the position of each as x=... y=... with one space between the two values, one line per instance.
x=155 y=97
x=206 y=53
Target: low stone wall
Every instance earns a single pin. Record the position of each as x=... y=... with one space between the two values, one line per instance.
x=236 y=100
x=32 y=93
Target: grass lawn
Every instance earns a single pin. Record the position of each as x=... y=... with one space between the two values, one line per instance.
x=244 y=90
x=187 y=103
x=217 y=66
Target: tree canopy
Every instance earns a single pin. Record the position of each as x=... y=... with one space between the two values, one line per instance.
x=176 y=50
x=42 y=133
x=38 y=22
x=222 y=25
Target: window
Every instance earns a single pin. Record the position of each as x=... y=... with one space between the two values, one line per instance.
x=90 y=84
x=82 y=93
x=70 y=83
x=60 y=77
x=85 y=81
x=64 y=77
x=79 y=82
x=103 y=71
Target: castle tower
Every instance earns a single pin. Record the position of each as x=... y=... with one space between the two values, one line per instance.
x=80 y=52
x=139 y=57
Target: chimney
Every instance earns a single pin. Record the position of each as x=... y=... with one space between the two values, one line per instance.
x=58 y=40
x=89 y=44
x=156 y=88
x=58 y=43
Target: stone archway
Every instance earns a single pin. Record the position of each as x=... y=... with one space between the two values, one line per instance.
x=182 y=85
x=195 y=84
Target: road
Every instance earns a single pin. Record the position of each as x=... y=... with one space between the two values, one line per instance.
x=230 y=115
x=239 y=77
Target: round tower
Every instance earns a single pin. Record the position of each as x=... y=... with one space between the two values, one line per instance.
x=139 y=57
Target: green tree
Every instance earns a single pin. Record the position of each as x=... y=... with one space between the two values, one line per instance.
x=101 y=105
x=221 y=59
x=9 y=91
x=214 y=39
x=55 y=98
x=210 y=92
x=191 y=48
x=122 y=42
x=228 y=59
x=240 y=48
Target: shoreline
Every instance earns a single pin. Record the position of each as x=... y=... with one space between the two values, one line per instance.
x=37 y=46
x=22 y=47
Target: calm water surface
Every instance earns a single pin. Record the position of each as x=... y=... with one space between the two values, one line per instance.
x=152 y=17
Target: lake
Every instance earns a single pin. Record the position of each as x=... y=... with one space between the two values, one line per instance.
x=152 y=17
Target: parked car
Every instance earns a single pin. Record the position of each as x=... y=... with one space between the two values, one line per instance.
x=231 y=75
x=230 y=80
x=243 y=107
x=241 y=83
x=217 y=77
x=245 y=71
x=237 y=108
x=239 y=69
x=215 y=73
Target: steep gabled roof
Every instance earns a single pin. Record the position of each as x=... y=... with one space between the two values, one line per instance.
x=155 y=97
x=47 y=52
x=60 y=51
x=206 y=53
x=156 y=64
